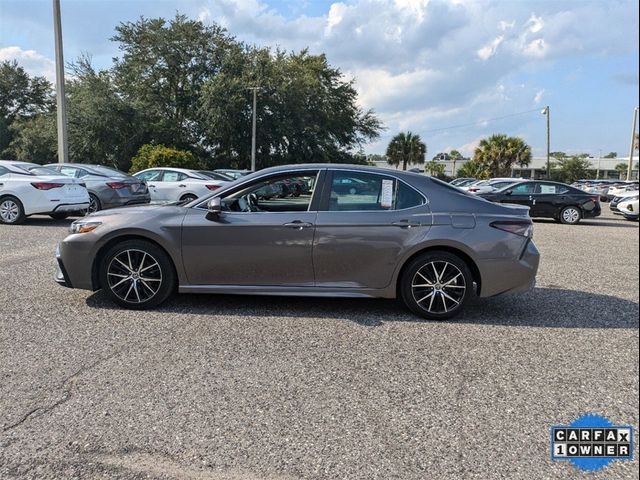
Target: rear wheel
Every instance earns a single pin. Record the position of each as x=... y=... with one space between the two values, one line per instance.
x=137 y=274
x=188 y=198
x=436 y=285
x=11 y=211
x=94 y=203
x=570 y=215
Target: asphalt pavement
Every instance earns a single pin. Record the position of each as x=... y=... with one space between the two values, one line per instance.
x=223 y=387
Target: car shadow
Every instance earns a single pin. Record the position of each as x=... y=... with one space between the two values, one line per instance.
x=542 y=307
x=605 y=222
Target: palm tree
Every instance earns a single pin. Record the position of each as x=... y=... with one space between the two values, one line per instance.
x=499 y=153
x=406 y=149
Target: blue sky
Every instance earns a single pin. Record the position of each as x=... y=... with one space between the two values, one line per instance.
x=422 y=65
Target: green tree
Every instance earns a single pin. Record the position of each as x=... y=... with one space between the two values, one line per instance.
x=104 y=127
x=150 y=156
x=473 y=169
x=570 y=169
x=162 y=70
x=406 y=149
x=34 y=139
x=435 y=168
x=21 y=96
x=307 y=111
x=499 y=153
x=611 y=155
x=621 y=168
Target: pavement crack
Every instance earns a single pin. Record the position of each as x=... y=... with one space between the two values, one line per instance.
x=67 y=385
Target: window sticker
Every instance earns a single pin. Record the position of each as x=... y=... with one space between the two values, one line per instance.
x=386 y=198
x=547 y=188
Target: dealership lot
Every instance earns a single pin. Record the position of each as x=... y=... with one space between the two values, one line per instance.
x=257 y=387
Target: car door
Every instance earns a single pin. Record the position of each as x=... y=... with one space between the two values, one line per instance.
x=153 y=178
x=520 y=194
x=258 y=239
x=549 y=199
x=361 y=235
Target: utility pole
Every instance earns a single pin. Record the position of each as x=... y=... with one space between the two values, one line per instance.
x=598 y=170
x=633 y=144
x=546 y=112
x=63 y=147
x=253 y=128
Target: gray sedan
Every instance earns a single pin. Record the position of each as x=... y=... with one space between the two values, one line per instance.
x=399 y=235
x=108 y=187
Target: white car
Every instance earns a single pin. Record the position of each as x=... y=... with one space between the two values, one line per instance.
x=629 y=207
x=615 y=201
x=488 y=186
x=177 y=184
x=29 y=189
x=622 y=189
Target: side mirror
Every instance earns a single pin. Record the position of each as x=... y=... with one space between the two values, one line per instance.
x=508 y=192
x=214 y=207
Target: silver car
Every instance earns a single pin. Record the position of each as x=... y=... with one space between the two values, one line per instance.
x=399 y=235
x=108 y=187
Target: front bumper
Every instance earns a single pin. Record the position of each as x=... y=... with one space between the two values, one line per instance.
x=61 y=275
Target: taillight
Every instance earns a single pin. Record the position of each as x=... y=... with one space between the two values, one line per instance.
x=213 y=187
x=117 y=184
x=473 y=189
x=595 y=198
x=46 y=185
x=523 y=228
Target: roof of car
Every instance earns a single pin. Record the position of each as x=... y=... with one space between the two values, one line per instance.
x=340 y=166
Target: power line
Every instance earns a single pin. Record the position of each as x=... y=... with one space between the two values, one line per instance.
x=480 y=122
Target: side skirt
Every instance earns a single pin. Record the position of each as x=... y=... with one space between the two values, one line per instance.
x=288 y=291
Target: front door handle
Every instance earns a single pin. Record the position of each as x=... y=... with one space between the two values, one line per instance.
x=151 y=186
x=406 y=224
x=182 y=185
x=298 y=224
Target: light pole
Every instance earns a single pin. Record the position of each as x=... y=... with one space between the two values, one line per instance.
x=633 y=144
x=63 y=149
x=253 y=128
x=545 y=111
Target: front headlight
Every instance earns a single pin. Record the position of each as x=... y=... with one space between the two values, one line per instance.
x=83 y=226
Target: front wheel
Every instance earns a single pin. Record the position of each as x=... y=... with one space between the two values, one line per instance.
x=94 y=203
x=188 y=198
x=570 y=215
x=137 y=274
x=436 y=285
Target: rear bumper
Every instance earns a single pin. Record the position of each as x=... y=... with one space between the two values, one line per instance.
x=596 y=212
x=507 y=276
x=71 y=207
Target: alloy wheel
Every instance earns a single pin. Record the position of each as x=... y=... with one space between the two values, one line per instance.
x=93 y=204
x=134 y=276
x=438 y=287
x=9 y=211
x=570 y=215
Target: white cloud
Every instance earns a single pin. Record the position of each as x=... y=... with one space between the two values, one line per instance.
x=33 y=62
x=538 y=97
x=488 y=51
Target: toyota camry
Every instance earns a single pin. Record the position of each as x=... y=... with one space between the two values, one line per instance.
x=398 y=234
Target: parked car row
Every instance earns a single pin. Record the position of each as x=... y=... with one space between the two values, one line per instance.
x=607 y=189
x=63 y=189
x=544 y=199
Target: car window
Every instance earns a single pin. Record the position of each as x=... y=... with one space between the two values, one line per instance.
x=283 y=193
x=356 y=191
x=170 y=176
x=551 y=189
x=150 y=176
x=3 y=171
x=69 y=171
x=524 y=189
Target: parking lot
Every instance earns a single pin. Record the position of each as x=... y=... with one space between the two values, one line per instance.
x=229 y=387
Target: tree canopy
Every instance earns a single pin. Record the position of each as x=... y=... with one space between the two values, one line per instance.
x=499 y=153
x=406 y=149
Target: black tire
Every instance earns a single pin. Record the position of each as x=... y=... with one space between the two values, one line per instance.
x=59 y=215
x=11 y=210
x=94 y=203
x=570 y=215
x=188 y=198
x=138 y=294
x=451 y=270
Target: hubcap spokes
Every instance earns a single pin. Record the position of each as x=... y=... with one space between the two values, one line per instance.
x=571 y=215
x=9 y=211
x=438 y=287
x=93 y=205
x=134 y=276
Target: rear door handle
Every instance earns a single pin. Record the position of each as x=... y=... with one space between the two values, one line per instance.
x=406 y=224
x=182 y=185
x=151 y=186
x=298 y=224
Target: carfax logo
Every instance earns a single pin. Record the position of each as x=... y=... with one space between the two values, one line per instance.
x=591 y=442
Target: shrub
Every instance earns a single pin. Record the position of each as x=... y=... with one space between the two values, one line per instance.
x=151 y=156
